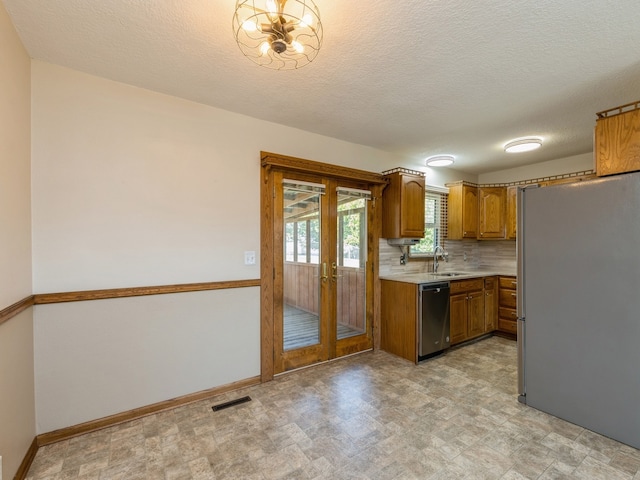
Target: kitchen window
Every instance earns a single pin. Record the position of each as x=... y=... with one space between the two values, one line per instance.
x=435 y=224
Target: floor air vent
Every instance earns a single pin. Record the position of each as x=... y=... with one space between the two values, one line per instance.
x=231 y=403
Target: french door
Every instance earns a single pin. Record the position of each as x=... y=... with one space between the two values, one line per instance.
x=321 y=231
x=322 y=255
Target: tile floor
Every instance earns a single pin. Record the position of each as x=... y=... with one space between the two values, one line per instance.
x=370 y=416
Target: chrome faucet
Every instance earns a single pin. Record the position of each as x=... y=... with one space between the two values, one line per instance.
x=443 y=253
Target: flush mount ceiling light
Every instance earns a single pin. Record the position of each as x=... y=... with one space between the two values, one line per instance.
x=278 y=34
x=523 y=145
x=440 y=161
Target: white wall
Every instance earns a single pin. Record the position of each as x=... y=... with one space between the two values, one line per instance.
x=17 y=410
x=438 y=177
x=576 y=163
x=15 y=167
x=17 y=400
x=133 y=188
x=101 y=357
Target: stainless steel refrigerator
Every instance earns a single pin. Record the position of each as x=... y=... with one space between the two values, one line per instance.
x=579 y=303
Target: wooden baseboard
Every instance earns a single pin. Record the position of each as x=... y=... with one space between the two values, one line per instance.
x=76 y=430
x=21 y=474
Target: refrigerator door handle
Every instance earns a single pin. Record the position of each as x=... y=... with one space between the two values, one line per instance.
x=520 y=287
x=520 y=214
x=522 y=387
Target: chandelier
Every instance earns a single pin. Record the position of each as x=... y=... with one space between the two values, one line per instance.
x=278 y=34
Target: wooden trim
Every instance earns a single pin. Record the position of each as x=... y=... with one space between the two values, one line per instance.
x=267 y=274
x=43 y=298
x=319 y=168
x=560 y=178
x=136 y=413
x=13 y=310
x=23 y=469
x=373 y=294
x=628 y=107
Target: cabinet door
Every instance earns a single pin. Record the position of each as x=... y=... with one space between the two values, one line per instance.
x=511 y=212
x=412 y=206
x=462 y=212
x=475 y=305
x=399 y=316
x=458 y=317
x=617 y=142
x=403 y=206
x=492 y=202
x=490 y=304
x=469 y=211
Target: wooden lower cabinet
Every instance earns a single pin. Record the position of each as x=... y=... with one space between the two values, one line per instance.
x=490 y=303
x=507 y=303
x=458 y=317
x=474 y=310
x=399 y=319
x=466 y=306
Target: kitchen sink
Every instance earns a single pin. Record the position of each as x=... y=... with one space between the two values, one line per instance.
x=449 y=274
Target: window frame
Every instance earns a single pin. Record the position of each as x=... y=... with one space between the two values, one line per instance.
x=439 y=227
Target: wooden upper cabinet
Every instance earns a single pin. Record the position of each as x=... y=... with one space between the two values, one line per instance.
x=462 y=211
x=403 y=205
x=512 y=215
x=493 y=206
x=617 y=140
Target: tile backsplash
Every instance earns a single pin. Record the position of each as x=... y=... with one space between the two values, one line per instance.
x=464 y=255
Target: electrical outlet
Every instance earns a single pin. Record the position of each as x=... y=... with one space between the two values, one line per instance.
x=249 y=258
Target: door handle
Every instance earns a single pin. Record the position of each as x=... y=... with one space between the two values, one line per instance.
x=324 y=276
x=334 y=271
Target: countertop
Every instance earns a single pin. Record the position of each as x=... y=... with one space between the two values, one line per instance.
x=419 y=278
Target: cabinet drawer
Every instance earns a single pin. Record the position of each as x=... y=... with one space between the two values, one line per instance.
x=507 y=313
x=508 y=298
x=507 y=325
x=508 y=282
x=466 y=285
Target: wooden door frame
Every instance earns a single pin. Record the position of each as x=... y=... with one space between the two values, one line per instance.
x=268 y=284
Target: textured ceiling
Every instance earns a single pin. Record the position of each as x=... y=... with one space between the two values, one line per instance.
x=414 y=77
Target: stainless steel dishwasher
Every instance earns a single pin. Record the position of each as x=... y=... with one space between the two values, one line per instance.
x=433 y=335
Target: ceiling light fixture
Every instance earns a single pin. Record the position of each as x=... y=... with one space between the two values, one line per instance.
x=523 y=145
x=440 y=161
x=278 y=34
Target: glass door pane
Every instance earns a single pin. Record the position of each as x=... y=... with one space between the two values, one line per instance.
x=350 y=268
x=301 y=269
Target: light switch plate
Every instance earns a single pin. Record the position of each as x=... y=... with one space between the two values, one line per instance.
x=249 y=258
